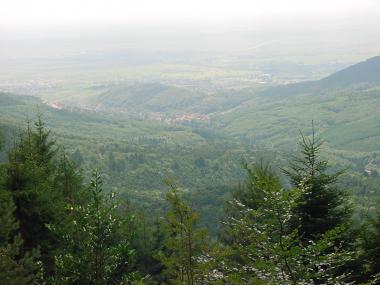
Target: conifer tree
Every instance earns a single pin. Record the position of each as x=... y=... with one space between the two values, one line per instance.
x=69 y=181
x=92 y=248
x=185 y=244
x=43 y=146
x=265 y=248
x=16 y=267
x=40 y=186
x=28 y=177
x=322 y=205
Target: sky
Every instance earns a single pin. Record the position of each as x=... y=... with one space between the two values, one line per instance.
x=36 y=28
x=79 y=13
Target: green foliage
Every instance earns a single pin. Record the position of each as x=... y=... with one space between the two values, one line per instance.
x=365 y=71
x=346 y=117
x=372 y=245
x=185 y=245
x=251 y=194
x=265 y=240
x=16 y=265
x=265 y=248
x=40 y=186
x=152 y=97
x=147 y=239
x=93 y=248
x=145 y=151
x=321 y=206
x=29 y=179
x=69 y=181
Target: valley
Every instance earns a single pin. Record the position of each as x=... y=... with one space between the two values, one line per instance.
x=142 y=133
x=203 y=142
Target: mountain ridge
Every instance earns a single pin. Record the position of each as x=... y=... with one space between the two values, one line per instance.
x=367 y=71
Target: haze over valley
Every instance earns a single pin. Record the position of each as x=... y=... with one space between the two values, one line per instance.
x=259 y=122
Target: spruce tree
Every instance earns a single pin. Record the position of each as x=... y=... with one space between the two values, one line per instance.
x=29 y=179
x=322 y=205
x=265 y=249
x=16 y=266
x=38 y=188
x=69 y=181
x=93 y=249
x=185 y=244
x=44 y=147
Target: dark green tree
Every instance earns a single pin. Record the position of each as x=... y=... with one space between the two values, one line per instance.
x=147 y=239
x=29 y=178
x=69 y=181
x=42 y=144
x=40 y=185
x=16 y=267
x=322 y=205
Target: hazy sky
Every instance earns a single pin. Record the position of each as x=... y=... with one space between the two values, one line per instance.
x=29 y=13
x=36 y=28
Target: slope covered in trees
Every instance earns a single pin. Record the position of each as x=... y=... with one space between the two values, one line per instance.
x=345 y=105
x=59 y=228
x=360 y=73
x=205 y=158
x=152 y=97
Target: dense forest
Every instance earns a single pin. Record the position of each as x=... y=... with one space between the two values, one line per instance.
x=294 y=224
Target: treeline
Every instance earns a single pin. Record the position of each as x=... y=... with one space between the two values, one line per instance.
x=58 y=229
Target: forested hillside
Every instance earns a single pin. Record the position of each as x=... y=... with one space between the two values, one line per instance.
x=137 y=153
x=156 y=184
x=342 y=101
x=60 y=228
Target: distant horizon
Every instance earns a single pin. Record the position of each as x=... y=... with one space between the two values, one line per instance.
x=21 y=13
x=181 y=42
x=43 y=29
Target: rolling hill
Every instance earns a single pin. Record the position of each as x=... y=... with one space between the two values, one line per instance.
x=157 y=97
x=149 y=97
x=360 y=73
x=345 y=106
